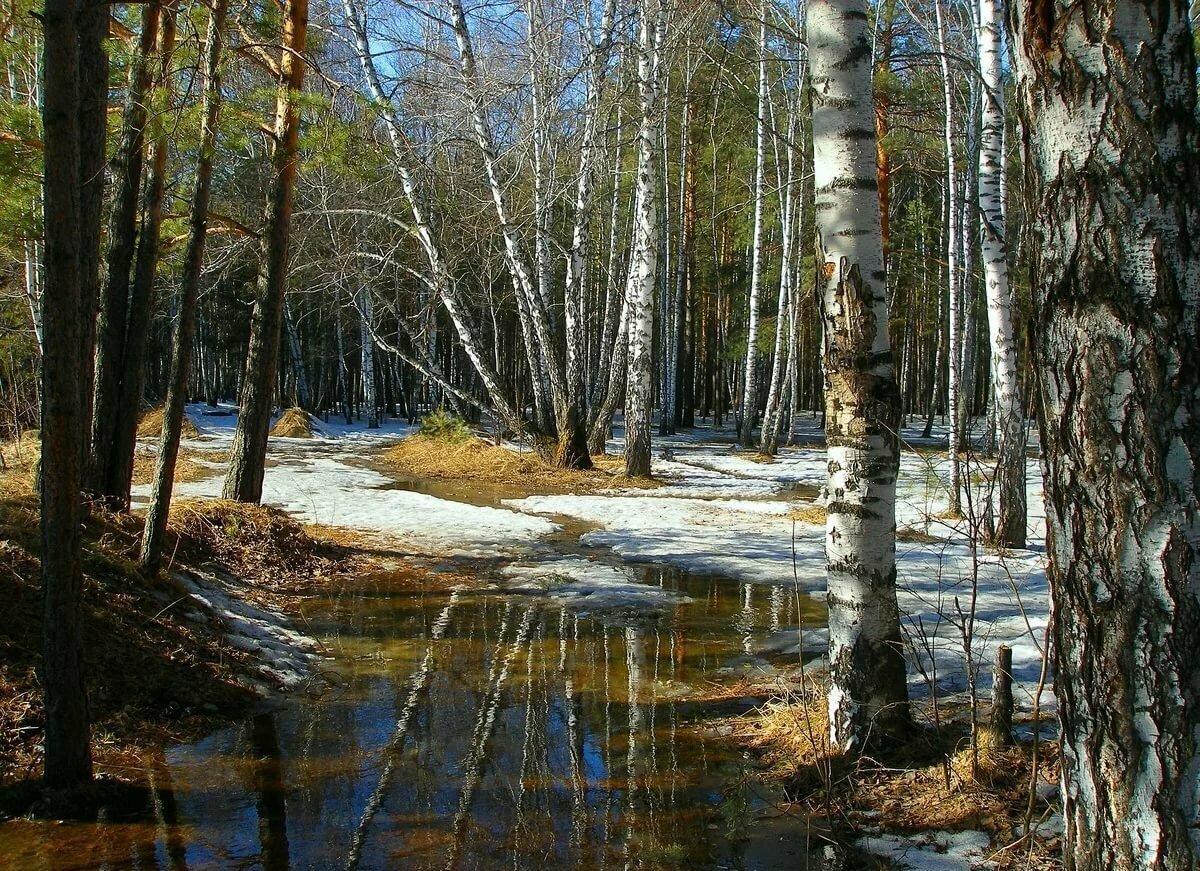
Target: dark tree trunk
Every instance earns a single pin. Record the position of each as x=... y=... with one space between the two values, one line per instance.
x=1107 y=95
x=141 y=299
x=244 y=479
x=113 y=311
x=93 y=132
x=193 y=262
x=68 y=755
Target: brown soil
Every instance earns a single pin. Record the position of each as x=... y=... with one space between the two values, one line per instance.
x=152 y=675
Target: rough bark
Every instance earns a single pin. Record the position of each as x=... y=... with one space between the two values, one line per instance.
x=868 y=701
x=243 y=481
x=185 y=321
x=68 y=761
x=1107 y=96
x=141 y=298
x=113 y=309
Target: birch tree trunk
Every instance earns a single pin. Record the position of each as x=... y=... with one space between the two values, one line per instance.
x=244 y=479
x=366 y=317
x=868 y=695
x=1006 y=388
x=639 y=400
x=185 y=321
x=750 y=385
x=1107 y=96
x=68 y=759
x=952 y=243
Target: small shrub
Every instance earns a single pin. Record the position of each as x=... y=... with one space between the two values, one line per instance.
x=442 y=426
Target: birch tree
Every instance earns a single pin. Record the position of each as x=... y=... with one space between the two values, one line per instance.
x=1007 y=403
x=750 y=383
x=1107 y=96
x=644 y=274
x=868 y=690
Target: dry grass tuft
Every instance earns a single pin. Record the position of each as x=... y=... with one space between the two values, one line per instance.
x=814 y=514
x=474 y=459
x=790 y=732
x=151 y=424
x=251 y=541
x=910 y=533
x=295 y=423
x=188 y=467
x=18 y=463
x=935 y=782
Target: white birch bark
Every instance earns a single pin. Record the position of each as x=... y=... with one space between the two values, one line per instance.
x=366 y=318
x=750 y=384
x=952 y=242
x=643 y=279
x=1006 y=388
x=1107 y=95
x=868 y=691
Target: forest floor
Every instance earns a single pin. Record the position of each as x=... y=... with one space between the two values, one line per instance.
x=464 y=511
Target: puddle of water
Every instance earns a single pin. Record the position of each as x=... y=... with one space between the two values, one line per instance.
x=477 y=730
x=470 y=731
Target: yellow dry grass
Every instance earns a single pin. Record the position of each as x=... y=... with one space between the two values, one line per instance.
x=476 y=460
x=934 y=783
x=295 y=423
x=910 y=533
x=814 y=514
x=187 y=466
x=18 y=461
x=252 y=541
x=151 y=424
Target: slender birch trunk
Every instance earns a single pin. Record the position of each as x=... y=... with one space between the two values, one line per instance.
x=366 y=317
x=1006 y=388
x=193 y=264
x=1107 y=96
x=952 y=243
x=643 y=279
x=750 y=385
x=868 y=696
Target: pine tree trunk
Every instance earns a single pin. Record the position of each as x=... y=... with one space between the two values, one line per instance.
x=1107 y=96
x=113 y=312
x=93 y=138
x=1006 y=388
x=193 y=263
x=68 y=761
x=247 y=459
x=868 y=696
x=141 y=298
x=639 y=400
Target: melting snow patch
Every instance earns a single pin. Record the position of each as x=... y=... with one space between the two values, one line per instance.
x=287 y=658
x=583 y=585
x=932 y=851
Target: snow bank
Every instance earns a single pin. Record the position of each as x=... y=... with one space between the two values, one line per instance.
x=287 y=658
x=589 y=587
